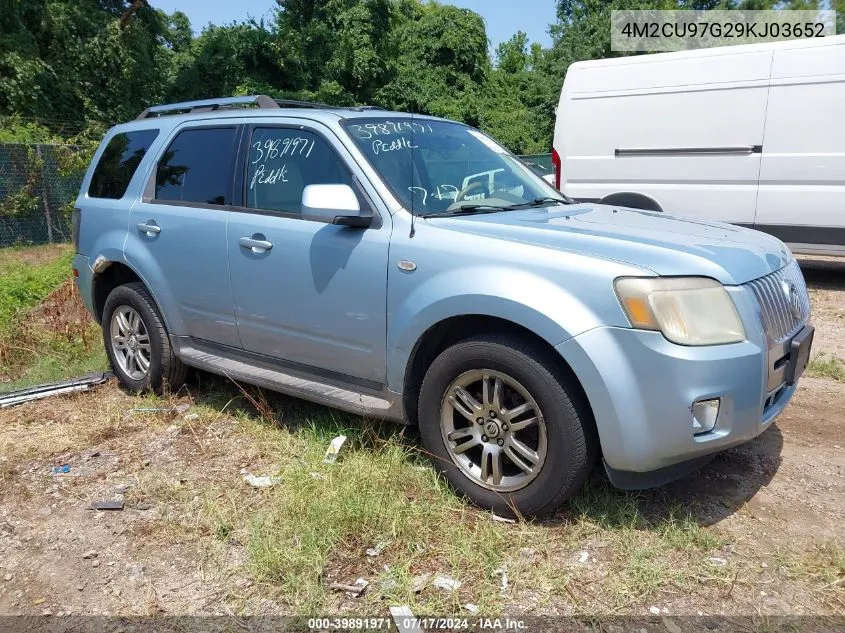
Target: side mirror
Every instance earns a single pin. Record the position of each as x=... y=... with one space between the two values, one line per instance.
x=333 y=204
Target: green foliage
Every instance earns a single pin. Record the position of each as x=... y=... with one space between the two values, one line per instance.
x=16 y=130
x=67 y=61
x=25 y=170
x=827 y=367
x=23 y=286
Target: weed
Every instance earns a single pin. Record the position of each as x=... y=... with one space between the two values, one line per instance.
x=23 y=286
x=46 y=334
x=827 y=367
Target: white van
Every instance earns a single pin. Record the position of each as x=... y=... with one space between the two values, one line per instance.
x=753 y=135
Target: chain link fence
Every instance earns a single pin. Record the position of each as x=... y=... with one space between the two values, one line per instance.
x=543 y=160
x=36 y=193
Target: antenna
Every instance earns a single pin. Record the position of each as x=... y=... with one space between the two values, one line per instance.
x=413 y=212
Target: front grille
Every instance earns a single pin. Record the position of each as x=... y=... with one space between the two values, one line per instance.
x=772 y=292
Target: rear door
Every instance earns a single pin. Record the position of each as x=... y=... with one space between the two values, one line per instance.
x=177 y=232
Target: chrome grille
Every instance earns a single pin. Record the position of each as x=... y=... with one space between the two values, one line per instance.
x=776 y=310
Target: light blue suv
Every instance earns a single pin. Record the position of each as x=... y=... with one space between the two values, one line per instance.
x=409 y=268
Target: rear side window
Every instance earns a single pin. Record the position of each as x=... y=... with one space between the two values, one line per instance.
x=197 y=167
x=118 y=163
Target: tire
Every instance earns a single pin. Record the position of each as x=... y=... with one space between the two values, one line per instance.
x=163 y=370
x=564 y=436
x=632 y=201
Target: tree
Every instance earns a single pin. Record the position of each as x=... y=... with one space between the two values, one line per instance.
x=335 y=50
x=442 y=62
x=227 y=60
x=513 y=97
x=72 y=60
x=839 y=7
x=512 y=56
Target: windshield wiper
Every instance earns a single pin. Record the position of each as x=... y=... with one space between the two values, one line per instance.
x=469 y=209
x=536 y=202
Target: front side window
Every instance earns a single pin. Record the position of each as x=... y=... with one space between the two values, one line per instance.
x=283 y=161
x=440 y=166
x=196 y=167
x=119 y=162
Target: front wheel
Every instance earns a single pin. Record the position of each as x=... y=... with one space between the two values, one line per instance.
x=136 y=342
x=505 y=425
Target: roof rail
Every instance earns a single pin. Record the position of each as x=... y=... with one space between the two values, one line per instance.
x=304 y=104
x=323 y=106
x=262 y=101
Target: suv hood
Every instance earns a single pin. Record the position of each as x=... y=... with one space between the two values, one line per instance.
x=664 y=244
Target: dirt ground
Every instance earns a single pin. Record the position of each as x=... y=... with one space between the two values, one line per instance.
x=773 y=501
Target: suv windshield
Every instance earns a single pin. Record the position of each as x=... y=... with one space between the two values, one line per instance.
x=439 y=167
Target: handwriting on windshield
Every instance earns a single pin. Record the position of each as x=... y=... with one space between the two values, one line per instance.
x=382 y=147
x=370 y=131
x=422 y=191
x=443 y=192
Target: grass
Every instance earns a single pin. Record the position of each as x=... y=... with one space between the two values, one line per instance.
x=314 y=526
x=24 y=285
x=827 y=367
x=45 y=332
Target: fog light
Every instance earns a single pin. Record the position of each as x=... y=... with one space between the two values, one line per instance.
x=704 y=414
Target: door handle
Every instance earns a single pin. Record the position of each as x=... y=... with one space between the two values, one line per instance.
x=257 y=244
x=150 y=228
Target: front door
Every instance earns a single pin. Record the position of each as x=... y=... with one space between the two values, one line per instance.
x=177 y=233
x=310 y=294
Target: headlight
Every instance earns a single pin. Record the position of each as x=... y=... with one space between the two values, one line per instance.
x=687 y=310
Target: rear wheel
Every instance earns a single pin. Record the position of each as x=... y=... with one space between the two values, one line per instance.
x=503 y=426
x=137 y=343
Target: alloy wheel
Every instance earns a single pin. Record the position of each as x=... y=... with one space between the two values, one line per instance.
x=130 y=342
x=493 y=430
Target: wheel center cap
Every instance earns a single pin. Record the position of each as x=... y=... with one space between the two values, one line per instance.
x=132 y=342
x=491 y=429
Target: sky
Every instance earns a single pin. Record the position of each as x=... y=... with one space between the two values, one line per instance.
x=503 y=17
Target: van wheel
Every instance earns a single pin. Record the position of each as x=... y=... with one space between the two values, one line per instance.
x=631 y=201
x=136 y=342
x=501 y=424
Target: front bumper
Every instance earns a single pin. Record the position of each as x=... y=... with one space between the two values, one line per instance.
x=641 y=388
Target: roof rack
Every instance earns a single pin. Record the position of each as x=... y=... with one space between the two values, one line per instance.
x=262 y=101
x=304 y=104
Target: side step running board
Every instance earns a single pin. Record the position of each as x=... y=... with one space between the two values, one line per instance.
x=385 y=406
x=55 y=389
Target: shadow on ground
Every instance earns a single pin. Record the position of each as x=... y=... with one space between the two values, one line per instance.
x=824 y=274
x=707 y=496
